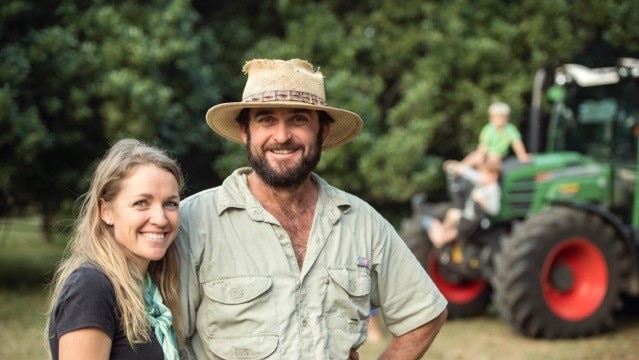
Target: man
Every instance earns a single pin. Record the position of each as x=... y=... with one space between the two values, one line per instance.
x=497 y=137
x=277 y=263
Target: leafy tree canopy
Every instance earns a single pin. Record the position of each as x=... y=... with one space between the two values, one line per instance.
x=87 y=73
x=420 y=73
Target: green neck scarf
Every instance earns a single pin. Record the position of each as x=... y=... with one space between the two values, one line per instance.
x=160 y=319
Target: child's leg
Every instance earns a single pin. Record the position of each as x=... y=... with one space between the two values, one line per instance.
x=441 y=233
x=474 y=158
x=494 y=160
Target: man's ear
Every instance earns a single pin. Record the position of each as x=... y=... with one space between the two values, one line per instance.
x=243 y=133
x=326 y=129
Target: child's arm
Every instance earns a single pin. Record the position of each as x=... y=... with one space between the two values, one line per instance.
x=520 y=151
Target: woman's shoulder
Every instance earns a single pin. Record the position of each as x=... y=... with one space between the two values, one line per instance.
x=89 y=277
x=90 y=270
x=87 y=299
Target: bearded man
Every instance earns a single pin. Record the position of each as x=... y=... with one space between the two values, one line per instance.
x=277 y=263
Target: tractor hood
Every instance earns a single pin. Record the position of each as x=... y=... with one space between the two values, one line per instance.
x=527 y=186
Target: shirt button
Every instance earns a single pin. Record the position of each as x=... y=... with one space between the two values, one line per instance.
x=304 y=322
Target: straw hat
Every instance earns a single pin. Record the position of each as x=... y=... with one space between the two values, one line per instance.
x=283 y=84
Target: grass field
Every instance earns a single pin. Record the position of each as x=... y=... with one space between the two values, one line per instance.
x=26 y=264
x=22 y=324
x=489 y=338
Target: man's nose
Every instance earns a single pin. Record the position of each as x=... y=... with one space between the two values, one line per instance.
x=282 y=132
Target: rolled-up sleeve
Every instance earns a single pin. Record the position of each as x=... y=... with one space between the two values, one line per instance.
x=407 y=296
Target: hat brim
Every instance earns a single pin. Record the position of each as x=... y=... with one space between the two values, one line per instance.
x=345 y=126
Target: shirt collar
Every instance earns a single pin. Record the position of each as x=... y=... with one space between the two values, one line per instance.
x=236 y=194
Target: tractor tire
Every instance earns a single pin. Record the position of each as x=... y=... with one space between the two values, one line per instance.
x=560 y=275
x=466 y=297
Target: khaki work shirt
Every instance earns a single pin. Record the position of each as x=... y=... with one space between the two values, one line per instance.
x=245 y=297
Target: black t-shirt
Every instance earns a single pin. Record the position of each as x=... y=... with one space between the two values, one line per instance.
x=87 y=299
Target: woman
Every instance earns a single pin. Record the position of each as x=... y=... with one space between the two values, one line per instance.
x=116 y=295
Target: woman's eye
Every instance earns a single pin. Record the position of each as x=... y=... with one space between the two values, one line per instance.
x=140 y=203
x=172 y=204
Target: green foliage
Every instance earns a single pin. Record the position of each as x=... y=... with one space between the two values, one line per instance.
x=84 y=75
x=75 y=76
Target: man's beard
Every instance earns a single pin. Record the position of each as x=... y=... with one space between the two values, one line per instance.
x=289 y=177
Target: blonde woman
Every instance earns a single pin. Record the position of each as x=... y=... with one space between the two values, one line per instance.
x=116 y=295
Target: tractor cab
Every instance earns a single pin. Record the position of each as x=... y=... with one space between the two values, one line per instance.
x=596 y=113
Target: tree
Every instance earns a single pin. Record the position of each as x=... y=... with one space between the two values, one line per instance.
x=83 y=75
x=422 y=73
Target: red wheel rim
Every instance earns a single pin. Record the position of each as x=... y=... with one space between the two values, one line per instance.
x=456 y=293
x=589 y=271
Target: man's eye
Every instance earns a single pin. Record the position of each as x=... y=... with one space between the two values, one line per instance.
x=265 y=120
x=300 y=120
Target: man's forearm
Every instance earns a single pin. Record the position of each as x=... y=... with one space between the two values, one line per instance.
x=413 y=344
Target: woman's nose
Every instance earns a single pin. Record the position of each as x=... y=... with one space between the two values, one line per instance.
x=158 y=216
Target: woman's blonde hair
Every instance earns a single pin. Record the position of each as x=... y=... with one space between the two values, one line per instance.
x=93 y=241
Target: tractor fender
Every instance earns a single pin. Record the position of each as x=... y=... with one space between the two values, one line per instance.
x=625 y=232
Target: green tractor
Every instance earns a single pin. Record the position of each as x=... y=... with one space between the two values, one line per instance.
x=562 y=254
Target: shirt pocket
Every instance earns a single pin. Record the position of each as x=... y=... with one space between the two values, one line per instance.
x=348 y=299
x=241 y=317
x=245 y=347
